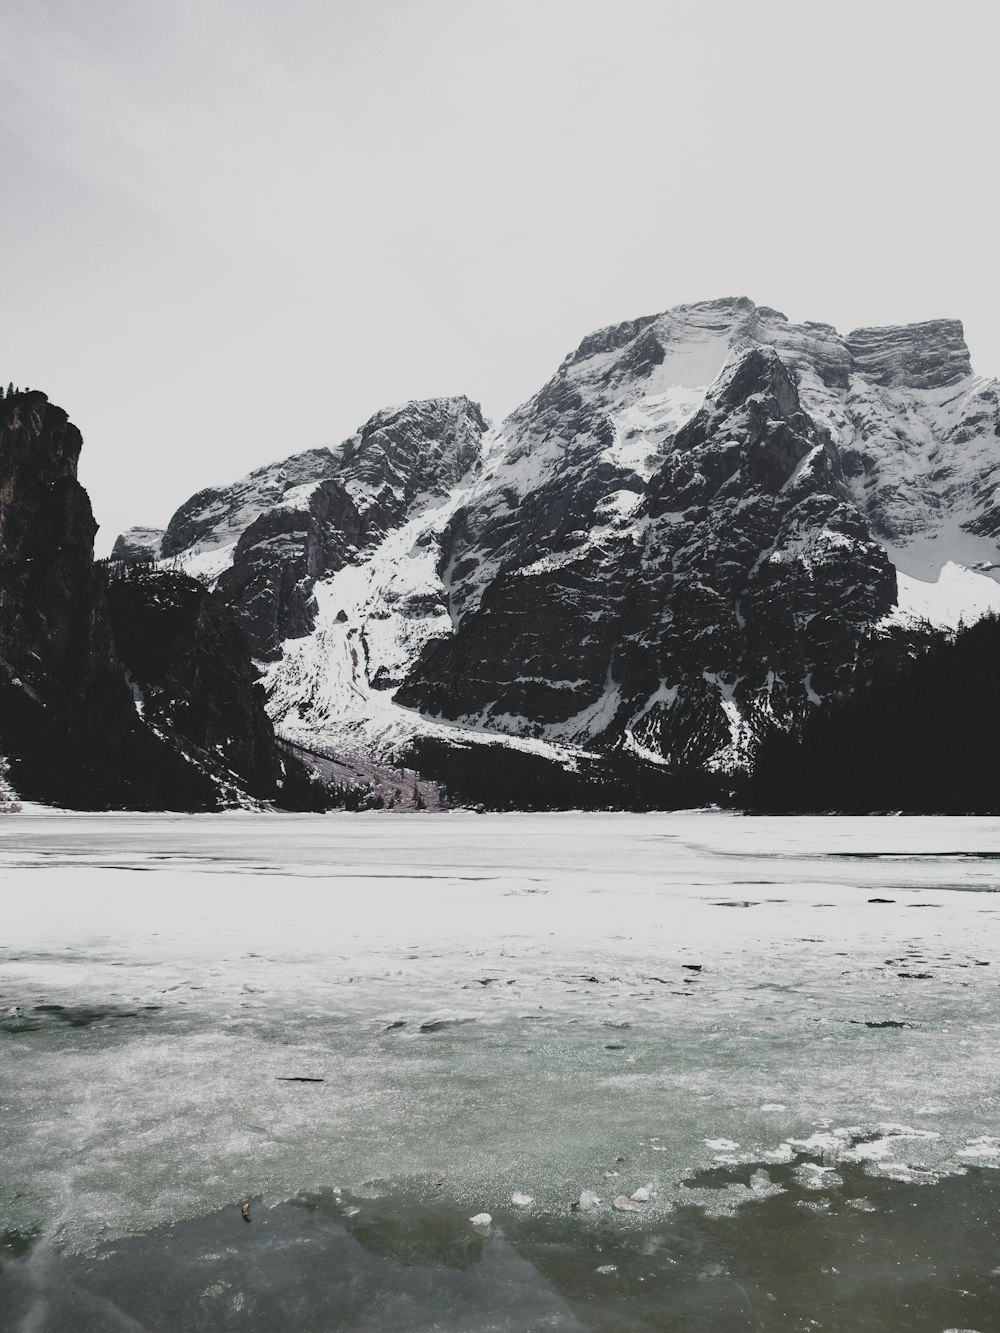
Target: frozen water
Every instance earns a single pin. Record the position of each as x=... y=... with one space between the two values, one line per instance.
x=198 y=1010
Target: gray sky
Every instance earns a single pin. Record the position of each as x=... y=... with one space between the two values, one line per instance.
x=232 y=229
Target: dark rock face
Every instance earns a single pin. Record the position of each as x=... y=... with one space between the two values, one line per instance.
x=278 y=559
x=761 y=574
x=931 y=355
x=138 y=544
x=742 y=583
x=68 y=717
x=47 y=535
x=67 y=720
x=189 y=668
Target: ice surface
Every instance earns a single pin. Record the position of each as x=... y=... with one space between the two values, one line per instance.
x=648 y=995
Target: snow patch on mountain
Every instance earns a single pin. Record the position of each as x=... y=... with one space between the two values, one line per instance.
x=336 y=687
x=957 y=596
x=741 y=734
x=366 y=631
x=920 y=462
x=206 y=563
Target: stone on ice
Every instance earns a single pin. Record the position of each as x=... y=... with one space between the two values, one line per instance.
x=625 y=1205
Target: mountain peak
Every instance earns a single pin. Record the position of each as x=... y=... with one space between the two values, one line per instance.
x=138 y=543
x=423 y=446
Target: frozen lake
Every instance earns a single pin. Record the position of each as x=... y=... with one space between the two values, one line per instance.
x=486 y=1006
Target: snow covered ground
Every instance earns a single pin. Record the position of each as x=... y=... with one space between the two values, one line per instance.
x=957 y=596
x=497 y=1003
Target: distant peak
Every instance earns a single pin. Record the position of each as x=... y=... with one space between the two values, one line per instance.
x=611 y=338
x=422 y=413
x=424 y=445
x=739 y=304
x=138 y=544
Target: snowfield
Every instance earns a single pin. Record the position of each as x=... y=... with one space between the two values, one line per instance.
x=502 y=1004
x=957 y=596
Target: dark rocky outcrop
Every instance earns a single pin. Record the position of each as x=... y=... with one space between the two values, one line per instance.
x=134 y=692
x=759 y=574
x=278 y=558
x=189 y=669
x=138 y=544
x=67 y=720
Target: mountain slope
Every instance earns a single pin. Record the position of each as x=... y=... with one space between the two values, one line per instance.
x=704 y=521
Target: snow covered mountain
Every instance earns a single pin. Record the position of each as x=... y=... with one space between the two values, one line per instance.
x=703 y=520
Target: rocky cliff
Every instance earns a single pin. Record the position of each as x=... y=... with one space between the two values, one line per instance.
x=188 y=667
x=138 y=694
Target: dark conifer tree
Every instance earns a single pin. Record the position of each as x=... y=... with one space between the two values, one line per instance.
x=924 y=738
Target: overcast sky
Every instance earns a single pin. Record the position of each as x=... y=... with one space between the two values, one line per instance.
x=233 y=229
